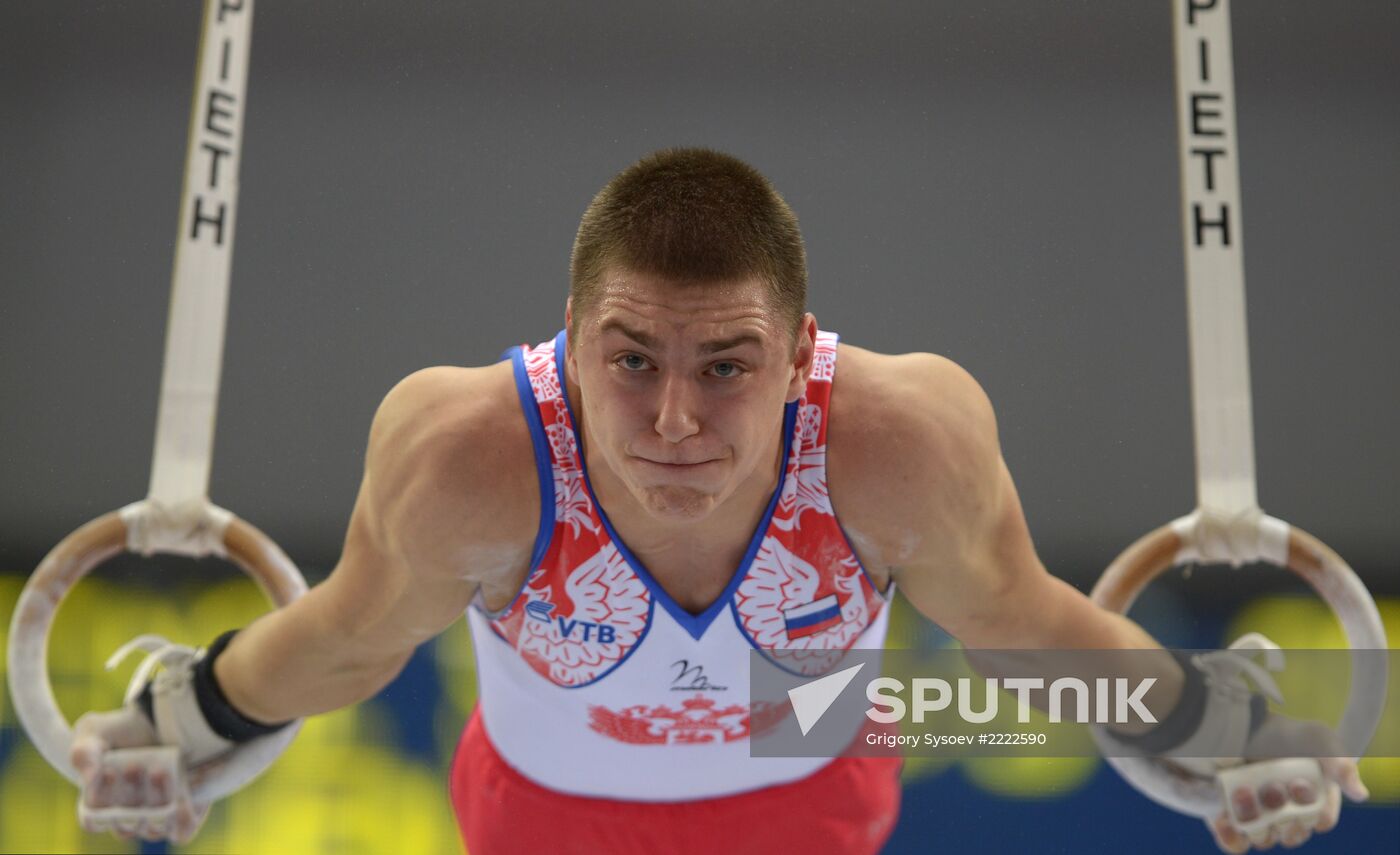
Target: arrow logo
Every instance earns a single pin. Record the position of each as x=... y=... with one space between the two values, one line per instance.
x=810 y=701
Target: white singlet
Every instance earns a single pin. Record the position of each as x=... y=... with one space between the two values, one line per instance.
x=594 y=682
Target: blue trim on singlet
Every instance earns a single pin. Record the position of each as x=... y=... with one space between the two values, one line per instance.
x=543 y=469
x=695 y=625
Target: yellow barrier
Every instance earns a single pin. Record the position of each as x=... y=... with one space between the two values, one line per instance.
x=345 y=787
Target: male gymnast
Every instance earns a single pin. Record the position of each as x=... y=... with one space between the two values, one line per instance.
x=635 y=505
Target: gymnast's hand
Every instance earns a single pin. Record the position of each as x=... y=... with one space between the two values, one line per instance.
x=132 y=761
x=132 y=786
x=1277 y=805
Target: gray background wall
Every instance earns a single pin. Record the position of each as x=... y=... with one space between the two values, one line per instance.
x=994 y=181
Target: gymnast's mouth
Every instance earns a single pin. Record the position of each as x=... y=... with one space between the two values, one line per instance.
x=677 y=466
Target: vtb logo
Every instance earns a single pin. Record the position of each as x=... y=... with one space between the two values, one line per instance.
x=600 y=632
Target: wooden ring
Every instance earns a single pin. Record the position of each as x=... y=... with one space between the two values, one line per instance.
x=1333 y=580
x=65 y=565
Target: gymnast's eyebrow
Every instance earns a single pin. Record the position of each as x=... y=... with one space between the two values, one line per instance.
x=730 y=343
x=644 y=339
x=652 y=343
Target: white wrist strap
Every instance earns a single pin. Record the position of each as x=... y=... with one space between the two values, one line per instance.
x=1224 y=733
x=174 y=704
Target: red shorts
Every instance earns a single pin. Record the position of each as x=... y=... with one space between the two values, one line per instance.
x=848 y=807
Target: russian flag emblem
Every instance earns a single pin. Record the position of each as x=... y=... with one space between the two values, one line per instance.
x=812 y=618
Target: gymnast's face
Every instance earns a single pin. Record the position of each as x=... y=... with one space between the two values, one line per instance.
x=682 y=389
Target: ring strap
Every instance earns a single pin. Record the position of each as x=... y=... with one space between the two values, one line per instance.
x=1212 y=236
x=194 y=342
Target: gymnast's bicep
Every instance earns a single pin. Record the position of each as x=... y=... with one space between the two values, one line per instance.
x=973 y=568
x=437 y=515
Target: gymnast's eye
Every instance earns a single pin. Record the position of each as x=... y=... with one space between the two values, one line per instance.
x=632 y=362
x=726 y=370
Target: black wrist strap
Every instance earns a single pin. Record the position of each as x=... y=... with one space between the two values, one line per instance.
x=223 y=719
x=1185 y=718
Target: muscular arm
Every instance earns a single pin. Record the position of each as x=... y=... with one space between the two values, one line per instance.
x=431 y=524
x=942 y=514
x=956 y=541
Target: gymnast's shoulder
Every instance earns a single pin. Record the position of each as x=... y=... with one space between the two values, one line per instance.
x=921 y=402
x=450 y=452
x=912 y=440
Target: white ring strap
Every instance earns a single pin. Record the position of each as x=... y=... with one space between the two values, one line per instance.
x=194 y=341
x=1212 y=236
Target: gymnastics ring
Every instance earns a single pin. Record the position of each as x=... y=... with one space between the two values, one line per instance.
x=76 y=556
x=1318 y=565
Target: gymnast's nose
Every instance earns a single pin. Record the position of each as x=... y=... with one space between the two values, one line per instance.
x=678 y=410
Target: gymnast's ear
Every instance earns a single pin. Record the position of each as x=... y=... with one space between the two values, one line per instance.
x=804 y=350
x=569 y=336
